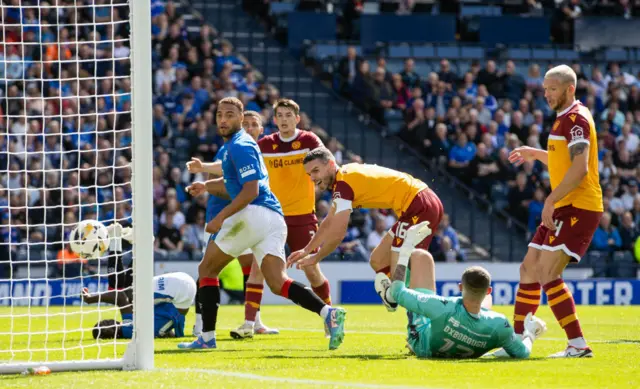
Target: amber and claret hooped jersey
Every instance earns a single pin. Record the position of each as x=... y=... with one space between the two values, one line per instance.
x=572 y=126
x=287 y=177
x=373 y=186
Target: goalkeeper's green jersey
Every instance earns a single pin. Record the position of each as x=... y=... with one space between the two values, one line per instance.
x=441 y=327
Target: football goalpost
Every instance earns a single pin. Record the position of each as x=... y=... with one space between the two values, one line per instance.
x=75 y=143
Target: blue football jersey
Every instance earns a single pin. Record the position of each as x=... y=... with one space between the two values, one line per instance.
x=242 y=162
x=215 y=204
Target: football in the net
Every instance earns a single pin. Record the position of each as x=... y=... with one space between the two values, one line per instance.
x=90 y=239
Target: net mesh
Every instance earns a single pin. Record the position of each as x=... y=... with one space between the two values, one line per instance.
x=65 y=156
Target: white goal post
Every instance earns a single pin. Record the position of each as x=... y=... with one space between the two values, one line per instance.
x=75 y=143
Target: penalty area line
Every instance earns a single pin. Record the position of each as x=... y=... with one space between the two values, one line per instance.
x=299 y=381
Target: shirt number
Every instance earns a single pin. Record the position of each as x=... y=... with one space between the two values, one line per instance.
x=461 y=351
x=558 y=225
x=401 y=230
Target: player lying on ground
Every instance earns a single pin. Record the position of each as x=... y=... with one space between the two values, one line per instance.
x=173 y=294
x=254 y=282
x=571 y=212
x=367 y=186
x=254 y=220
x=450 y=327
x=283 y=153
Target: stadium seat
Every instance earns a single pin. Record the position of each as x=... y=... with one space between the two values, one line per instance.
x=519 y=53
x=544 y=54
x=567 y=55
x=471 y=52
x=282 y=8
x=370 y=8
x=448 y=52
x=399 y=51
x=616 y=55
x=423 y=52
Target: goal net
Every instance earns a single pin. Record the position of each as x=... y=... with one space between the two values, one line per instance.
x=74 y=88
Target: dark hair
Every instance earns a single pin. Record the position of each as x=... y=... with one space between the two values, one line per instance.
x=320 y=153
x=476 y=280
x=232 y=101
x=286 y=103
x=107 y=329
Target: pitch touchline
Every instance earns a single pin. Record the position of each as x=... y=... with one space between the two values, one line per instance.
x=404 y=333
x=256 y=377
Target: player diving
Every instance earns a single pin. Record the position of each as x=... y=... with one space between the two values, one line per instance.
x=451 y=327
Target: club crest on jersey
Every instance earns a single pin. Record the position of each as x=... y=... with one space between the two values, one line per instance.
x=574 y=220
x=555 y=125
x=573 y=117
x=577 y=133
x=551 y=239
x=296 y=145
x=275 y=146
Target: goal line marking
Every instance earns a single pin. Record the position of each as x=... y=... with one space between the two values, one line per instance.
x=299 y=381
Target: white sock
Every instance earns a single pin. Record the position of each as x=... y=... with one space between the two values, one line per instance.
x=199 y=321
x=207 y=336
x=250 y=323
x=578 y=342
x=258 y=321
x=389 y=297
x=324 y=312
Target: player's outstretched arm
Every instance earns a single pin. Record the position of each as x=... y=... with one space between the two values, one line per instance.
x=517 y=347
x=197 y=166
x=524 y=154
x=429 y=305
x=329 y=236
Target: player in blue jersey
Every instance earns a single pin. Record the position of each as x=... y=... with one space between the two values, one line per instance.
x=450 y=327
x=173 y=294
x=253 y=219
x=252 y=123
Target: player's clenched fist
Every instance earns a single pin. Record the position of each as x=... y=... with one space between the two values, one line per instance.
x=214 y=225
x=196 y=189
x=195 y=166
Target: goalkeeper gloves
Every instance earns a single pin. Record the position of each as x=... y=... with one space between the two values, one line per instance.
x=533 y=327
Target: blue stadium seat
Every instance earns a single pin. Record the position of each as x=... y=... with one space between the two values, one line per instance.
x=424 y=52
x=471 y=52
x=448 y=52
x=282 y=8
x=399 y=51
x=616 y=55
x=322 y=51
x=544 y=54
x=463 y=67
x=479 y=10
x=567 y=55
x=518 y=53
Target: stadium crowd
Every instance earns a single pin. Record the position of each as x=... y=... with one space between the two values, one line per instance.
x=470 y=122
x=65 y=130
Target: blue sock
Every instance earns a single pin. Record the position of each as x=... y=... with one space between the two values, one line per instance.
x=127 y=317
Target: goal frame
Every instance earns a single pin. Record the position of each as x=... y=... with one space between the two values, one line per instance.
x=139 y=352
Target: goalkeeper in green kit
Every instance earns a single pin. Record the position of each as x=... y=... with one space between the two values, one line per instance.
x=451 y=327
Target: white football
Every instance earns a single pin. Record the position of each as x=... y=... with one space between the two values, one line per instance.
x=90 y=239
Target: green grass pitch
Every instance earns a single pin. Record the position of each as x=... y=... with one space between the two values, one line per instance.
x=372 y=356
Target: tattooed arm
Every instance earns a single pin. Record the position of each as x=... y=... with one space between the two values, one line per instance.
x=579 y=168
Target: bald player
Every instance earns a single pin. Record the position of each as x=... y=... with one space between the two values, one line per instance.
x=571 y=212
x=368 y=186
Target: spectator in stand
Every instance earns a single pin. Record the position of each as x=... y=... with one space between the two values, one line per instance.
x=535 y=210
x=349 y=66
x=377 y=234
x=482 y=170
x=513 y=83
x=460 y=156
x=606 y=238
x=409 y=76
x=400 y=91
x=629 y=232
x=193 y=236
x=490 y=78
x=519 y=197
x=446 y=75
